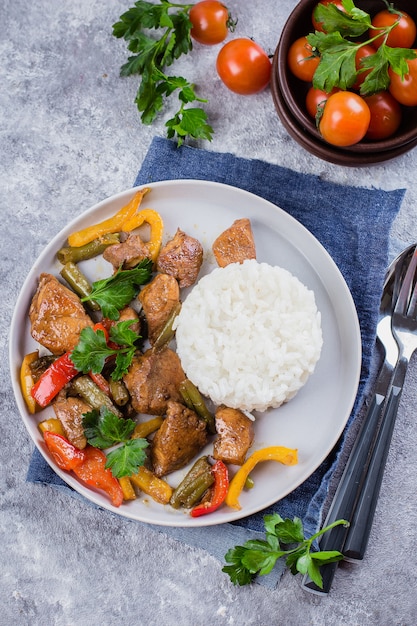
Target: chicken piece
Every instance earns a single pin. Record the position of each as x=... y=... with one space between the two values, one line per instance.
x=153 y=379
x=236 y=244
x=235 y=435
x=57 y=316
x=70 y=413
x=181 y=436
x=181 y=258
x=159 y=298
x=128 y=313
x=127 y=253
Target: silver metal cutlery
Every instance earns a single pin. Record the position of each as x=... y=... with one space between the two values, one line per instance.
x=358 y=490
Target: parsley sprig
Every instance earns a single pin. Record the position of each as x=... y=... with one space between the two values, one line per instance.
x=115 y=292
x=158 y=34
x=337 y=52
x=92 y=350
x=284 y=539
x=103 y=429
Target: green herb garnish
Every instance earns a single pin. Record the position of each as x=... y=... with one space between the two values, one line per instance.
x=103 y=429
x=284 y=539
x=92 y=351
x=115 y=292
x=337 y=63
x=152 y=54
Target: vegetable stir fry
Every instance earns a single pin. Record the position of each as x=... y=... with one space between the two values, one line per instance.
x=124 y=416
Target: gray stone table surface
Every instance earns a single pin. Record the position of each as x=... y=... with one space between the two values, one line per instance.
x=71 y=136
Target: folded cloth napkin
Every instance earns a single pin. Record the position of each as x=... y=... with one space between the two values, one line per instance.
x=353 y=224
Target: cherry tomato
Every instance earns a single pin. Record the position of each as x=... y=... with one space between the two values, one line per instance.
x=385 y=115
x=317 y=98
x=301 y=59
x=210 y=20
x=363 y=52
x=405 y=91
x=401 y=36
x=319 y=25
x=345 y=119
x=243 y=66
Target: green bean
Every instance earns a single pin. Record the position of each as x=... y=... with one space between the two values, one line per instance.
x=89 y=250
x=190 y=393
x=119 y=392
x=93 y=395
x=38 y=367
x=193 y=485
x=79 y=283
x=167 y=332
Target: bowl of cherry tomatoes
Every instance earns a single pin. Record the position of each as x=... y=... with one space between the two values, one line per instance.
x=344 y=79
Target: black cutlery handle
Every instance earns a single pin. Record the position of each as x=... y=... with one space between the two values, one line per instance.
x=347 y=493
x=360 y=529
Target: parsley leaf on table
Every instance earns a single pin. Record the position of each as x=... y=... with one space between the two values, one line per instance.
x=116 y=291
x=103 y=429
x=92 y=350
x=152 y=54
x=284 y=538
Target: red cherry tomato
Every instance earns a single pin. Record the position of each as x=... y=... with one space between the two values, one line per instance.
x=385 y=115
x=210 y=20
x=301 y=59
x=243 y=66
x=405 y=91
x=317 y=98
x=345 y=119
x=401 y=36
x=319 y=25
x=363 y=52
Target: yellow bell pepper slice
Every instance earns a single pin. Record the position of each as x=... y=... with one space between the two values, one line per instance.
x=153 y=486
x=287 y=456
x=151 y=217
x=27 y=382
x=147 y=428
x=53 y=425
x=111 y=225
x=127 y=488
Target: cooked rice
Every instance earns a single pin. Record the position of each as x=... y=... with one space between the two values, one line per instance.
x=249 y=335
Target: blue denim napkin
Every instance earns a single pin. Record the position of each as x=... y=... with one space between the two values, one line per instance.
x=353 y=224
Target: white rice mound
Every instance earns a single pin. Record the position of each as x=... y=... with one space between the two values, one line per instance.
x=249 y=335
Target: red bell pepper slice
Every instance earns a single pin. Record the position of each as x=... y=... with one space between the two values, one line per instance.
x=219 y=491
x=65 y=455
x=58 y=374
x=94 y=473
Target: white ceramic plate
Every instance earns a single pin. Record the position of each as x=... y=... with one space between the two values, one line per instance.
x=312 y=421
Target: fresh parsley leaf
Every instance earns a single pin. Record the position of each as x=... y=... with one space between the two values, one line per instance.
x=158 y=34
x=115 y=292
x=103 y=429
x=92 y=351
x=337 y=67
x=284 y=539
x=126 y=460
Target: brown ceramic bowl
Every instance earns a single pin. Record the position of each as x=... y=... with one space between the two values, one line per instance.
x=289 y=97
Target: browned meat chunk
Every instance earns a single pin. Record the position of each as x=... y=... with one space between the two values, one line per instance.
x=70 y=413
x=181 y=436
x=130 y=314
x=159 y=298
x=182 y=258
x=236 y=244
x=57 y=316
x=153 y=379
x=235 y=435
x=128 y=253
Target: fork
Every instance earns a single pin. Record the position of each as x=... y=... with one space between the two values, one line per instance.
x=355 y=484
x=404 y=328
